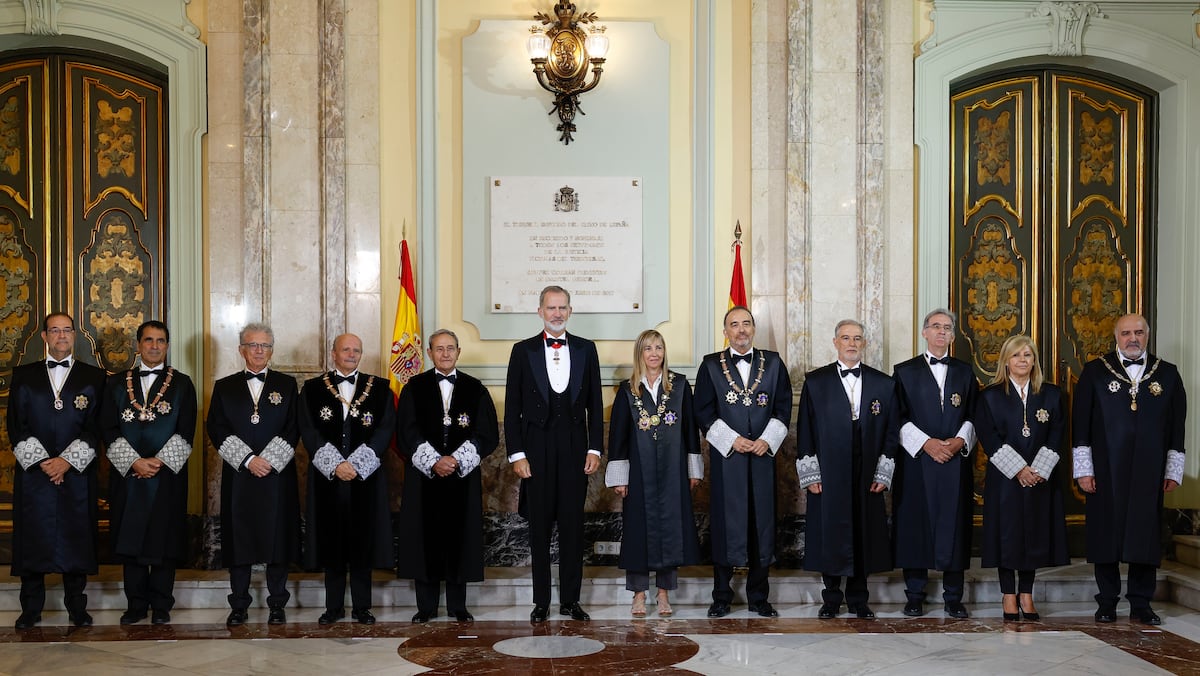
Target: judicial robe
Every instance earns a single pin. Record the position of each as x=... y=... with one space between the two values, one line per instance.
x=932 y=506
x=149 y=516
x=729 y=509
x=54 y=527
x=659 y=530
x=441 y=518
x=260 y=516
x=1023 y=528
x=347 y=522
x=1129 y=454
x=825 y=429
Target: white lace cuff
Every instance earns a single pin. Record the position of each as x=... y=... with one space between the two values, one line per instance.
x=467 y=457
x=695 y=466
x=174 y=454
x=424 y=458
x=1175 y=466
x=279 y=453
x=774 y=435
x=721 y=437
x=912 y=438
x=617 y=473
x=1082 y=458
x=364 y=461
x=884 y=470
x=967 y=434
x=809 y=469
x=326 y=459
x=122 y=456
x=79 y=454
x=30 y=452
x=1044 y=462
x=1008 y=461
x=234 y=451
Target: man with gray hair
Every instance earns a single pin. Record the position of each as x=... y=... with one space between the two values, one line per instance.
x=932 y=505
x=847 y=431
x=252 y=424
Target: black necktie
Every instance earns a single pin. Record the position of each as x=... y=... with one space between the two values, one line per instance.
x=555 y=343
x=251 y=376
x=339 y=379
x=450 y=377
x=1130 y=362
x=741 y=357
x=50 y=363
x=856 y=371
x=943 y=360
x=149 y=374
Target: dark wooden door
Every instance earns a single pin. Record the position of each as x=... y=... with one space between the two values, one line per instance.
x=83 y=224
x=1052 y=222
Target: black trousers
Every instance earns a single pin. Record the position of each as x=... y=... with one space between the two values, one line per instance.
x=149 y=586
x=1013 y=581
x=239 y=585
x=915 y=580
x=33 y=592
x=562 y=506
x=1142 y=580
x=335 y=587
x=758 y=583
x=856 y=593
x=428 y=593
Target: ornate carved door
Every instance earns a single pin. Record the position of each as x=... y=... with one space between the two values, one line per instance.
x=1052 y=230
x=82 y=211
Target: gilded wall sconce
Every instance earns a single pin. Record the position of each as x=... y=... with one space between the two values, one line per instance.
x=560 y=55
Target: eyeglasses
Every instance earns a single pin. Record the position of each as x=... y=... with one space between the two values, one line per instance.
x=941 y=327
x=58 y=331
x=258 y=346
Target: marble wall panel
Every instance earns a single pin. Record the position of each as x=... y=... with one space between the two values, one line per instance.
x=362 y=230
x=362 y=101
x=294 y=26
x=295 y=288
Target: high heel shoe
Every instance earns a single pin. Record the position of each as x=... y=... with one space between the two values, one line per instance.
x=1011 y=617
x=1031 y=616
x=664 y=605
x=639 y=605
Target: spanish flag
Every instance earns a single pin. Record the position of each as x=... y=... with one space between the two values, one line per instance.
x=406 y=334
x=737 y=285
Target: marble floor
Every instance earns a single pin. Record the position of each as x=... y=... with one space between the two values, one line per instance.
x=501 y=641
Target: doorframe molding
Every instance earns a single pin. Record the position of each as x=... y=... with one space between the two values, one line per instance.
x=159 y=34
x=1151 y=43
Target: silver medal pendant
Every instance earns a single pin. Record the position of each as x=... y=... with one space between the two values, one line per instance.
x=353 y=412
x=1025 y=431
x=446 y=420
x=254 y=419
x=58 y=405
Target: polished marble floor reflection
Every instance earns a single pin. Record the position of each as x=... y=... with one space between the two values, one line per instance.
x=501 y=641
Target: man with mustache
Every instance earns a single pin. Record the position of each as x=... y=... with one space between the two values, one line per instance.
x=1127 y=427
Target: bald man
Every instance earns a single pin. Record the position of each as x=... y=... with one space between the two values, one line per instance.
x=1127 y=426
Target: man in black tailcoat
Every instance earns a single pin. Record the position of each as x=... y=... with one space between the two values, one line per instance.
x=932 y=506
x=554 y=434
x=847 y=431
x=149 y=422
x=346 y=422
x=743 y=402
x=252 y=424
x=445 y=425
x=1128 y=431
x=54 y=433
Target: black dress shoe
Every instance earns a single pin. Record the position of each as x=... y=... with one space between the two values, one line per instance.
x=1106 y=614
x=160 y=617
x=829 y=611
x=277 y=616
x=718 y=609
x=236 y=618
x=575 y=611
x=539 y=614
x=954 y=609
x=1011 y=617
x=421 y=618
x=1032 y=617
x=914 y=608
x=764 y=609
x=80 y=618
x=1145 y=616
x=463 y=616
x=132 y=616
x=862 y=611
x=362 y=616
x=27 y=620
x=331 y=616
